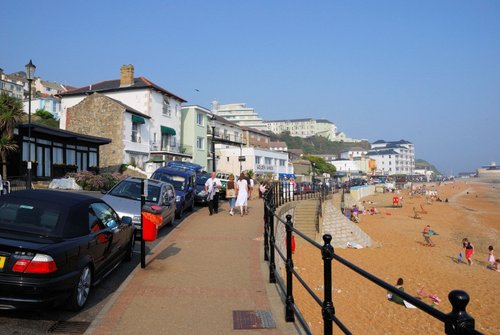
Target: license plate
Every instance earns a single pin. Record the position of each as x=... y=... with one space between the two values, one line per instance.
x=2 y=262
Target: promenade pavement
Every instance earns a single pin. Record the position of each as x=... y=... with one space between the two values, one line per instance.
x=206 y=268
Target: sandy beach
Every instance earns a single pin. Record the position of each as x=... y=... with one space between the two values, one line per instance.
x=473 y=211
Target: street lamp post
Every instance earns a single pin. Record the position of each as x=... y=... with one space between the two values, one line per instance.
x=30 y=72
x=212 y=123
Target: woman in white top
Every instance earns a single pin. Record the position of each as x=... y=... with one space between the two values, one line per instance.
x=242 y=199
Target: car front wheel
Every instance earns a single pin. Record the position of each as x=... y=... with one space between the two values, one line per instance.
x=81 y=290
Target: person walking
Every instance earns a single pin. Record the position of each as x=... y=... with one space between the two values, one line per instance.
x=231 y=190
x=212 y=187
x=469 y=250
x=242 y=198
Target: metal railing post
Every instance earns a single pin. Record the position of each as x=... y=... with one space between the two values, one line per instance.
x=289 y=315
x=459 y=322
x=327 y=309
x=267 y=196
x=272 y=239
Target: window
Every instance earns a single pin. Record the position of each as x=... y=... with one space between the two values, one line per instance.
x=258 y=160
x=199 y=119
x=268 y=160
x=173 y=142
x=200 y=143
x=282 y=162
x=166 y=108
x=105 y=214
x=136 y=132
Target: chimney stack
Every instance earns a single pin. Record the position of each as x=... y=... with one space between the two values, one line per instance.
x=126 y=75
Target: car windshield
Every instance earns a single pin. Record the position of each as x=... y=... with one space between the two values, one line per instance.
x=30 y=216
x=201 y=180
x=132 y=190
x=177 y=181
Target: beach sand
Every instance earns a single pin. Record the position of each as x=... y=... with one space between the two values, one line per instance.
x=473 y=211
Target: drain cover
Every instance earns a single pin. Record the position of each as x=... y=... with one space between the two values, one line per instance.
x=253 y=320
x=69 y=327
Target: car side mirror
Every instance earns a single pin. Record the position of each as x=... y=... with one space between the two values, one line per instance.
x=104 y=191
x=126 y=220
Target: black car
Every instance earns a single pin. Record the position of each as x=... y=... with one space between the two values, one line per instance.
x=200 y=196
x=55 y=245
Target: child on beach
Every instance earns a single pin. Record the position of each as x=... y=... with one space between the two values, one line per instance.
x=491 y=257
x=426 y=233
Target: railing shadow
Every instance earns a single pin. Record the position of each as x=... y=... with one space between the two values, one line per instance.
x=456 y=322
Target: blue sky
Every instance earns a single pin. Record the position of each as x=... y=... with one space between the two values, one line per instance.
x=426 y=71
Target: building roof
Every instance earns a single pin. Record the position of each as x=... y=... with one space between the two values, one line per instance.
x=382 y=152
x=323 y=121
x=65 y=133
x=392 y=142
x=254 y=130
x=277 y=144
x=114 y=85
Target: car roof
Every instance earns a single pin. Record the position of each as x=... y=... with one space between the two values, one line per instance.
x=176 y=171
x=61 y=197
x=73 y=206
x=138 y=180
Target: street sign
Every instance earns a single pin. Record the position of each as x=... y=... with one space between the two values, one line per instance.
x=241 y=158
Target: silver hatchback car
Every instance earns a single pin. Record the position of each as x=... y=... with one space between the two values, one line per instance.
x=125 y=199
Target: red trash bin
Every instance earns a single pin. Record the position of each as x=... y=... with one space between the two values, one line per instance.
x=395 y=201
x=150 y=224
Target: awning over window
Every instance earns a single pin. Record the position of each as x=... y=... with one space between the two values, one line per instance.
x=167 y=130
x=137 y=119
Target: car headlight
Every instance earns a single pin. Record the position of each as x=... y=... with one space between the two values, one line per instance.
x=178 y=198
x=136 y=218
x=202 y=193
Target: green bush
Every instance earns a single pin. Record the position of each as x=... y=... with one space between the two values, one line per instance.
x=91 y=182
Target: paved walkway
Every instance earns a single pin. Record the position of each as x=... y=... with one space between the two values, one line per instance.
x=206 y=268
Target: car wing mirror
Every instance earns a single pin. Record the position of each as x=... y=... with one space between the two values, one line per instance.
x=127 y=220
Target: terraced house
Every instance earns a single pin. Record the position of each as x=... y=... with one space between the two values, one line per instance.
x=142 y=119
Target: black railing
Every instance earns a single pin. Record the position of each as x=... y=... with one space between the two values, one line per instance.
x=457 y=322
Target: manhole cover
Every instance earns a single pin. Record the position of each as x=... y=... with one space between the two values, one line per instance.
x=69 y=327
x=253 y=320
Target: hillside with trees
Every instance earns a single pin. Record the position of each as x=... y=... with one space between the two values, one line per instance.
x=422 y=164
x=317 y=144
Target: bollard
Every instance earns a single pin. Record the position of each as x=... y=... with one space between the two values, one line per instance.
x=289 y=315
x=327 y=309
x=459 y=322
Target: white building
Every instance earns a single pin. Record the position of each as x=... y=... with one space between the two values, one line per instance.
x=11 y=85
x=262 y=161
x=353 y=153
x=240 y=114
x=159 y=131
x=45 y=102
x=397 y=157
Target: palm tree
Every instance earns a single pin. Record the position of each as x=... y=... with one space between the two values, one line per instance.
x=11 y=113
x=6 y=146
